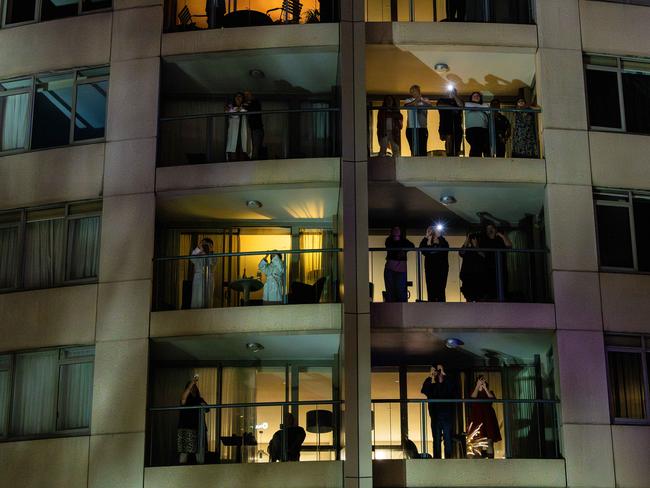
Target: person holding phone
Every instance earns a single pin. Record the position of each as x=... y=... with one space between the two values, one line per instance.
x=451 y=123
x=203 y=276
x=436 y=262
x=438 y=387
x=187 y=437
x=483 y=416
x=417 y=133
x=274 y=287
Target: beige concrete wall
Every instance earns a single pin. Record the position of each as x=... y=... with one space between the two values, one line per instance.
x=52 y=463
x=463 y=315
x=116 y=460
x=51 y=317
x=631 y=447
x=250 y=38
x=287 y=475
x=52 y=176
x=278 y=318
x=626 y=307
x=620 y=160
x=249 y=173
x=414 y=171
x=55 y=45
x=589 y=456
x=614 y=28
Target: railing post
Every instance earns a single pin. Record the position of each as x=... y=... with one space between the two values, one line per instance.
x=209 y=137
x=435 y=10
x=423 y=422
x=285 y=441
x=411 y=11
x=201 y=448
x=506 y=428
x=499 y=277
x=206 y=284
x=492 y=133
x=418 y=256
x=486 y=14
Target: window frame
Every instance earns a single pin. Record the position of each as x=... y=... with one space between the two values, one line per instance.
x=73 y=106
x=61 y=362
x=644 y=351
x=629 y=204
x=38 y=10
x=619 y=70
x=67 y=281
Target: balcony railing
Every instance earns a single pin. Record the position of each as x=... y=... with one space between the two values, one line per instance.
x=233 y=279
x=237 y=136
x=497 y=11
x=443 y=131
x=201 y=15
x=246 y=432
x=529 y=429
x=470 y=275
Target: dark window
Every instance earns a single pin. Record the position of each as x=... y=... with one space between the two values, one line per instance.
x=614 y=236
x=642 y=232
x=20 y=11
x=52 y=111
x=603 y=97
x=58 y=9
x=89 y=5
x=636 y=91
x=90 y=110
x=626 y=385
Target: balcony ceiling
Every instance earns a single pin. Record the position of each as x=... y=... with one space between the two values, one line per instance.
x=279 y=202
x=305 y=70
x=393 y=69
x=232 y=347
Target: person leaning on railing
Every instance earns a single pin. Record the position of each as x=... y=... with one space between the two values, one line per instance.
x=417 y=133
x=476 y=125
x=389 y=126
x=524 y=139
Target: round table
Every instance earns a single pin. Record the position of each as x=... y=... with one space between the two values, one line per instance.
x=246 y=286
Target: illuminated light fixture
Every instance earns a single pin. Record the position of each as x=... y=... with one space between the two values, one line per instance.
x=453 y=343
x=448 y=199
x=254 y=346
x=254 y=204
x=441 y=68
x=258 y=74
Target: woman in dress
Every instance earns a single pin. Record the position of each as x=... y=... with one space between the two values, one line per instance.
x=473 y=271
x=274 y=287
x=203 y=276
x=524 y=138
x=239 y=145
x=389 y=127
x=187 y=437
x=483 y=416
x=436 y=263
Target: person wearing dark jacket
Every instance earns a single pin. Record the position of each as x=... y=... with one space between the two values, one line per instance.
x=395 y=268
x=436 y=263
x=295 y=436
x=438 y=387
x=473 y=271
x=493 y=239
x=389 y=127
x=252 y=104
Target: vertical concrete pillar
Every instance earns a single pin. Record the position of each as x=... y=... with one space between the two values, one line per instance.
x=571 y=236
x=356 y=307
x=124 y=295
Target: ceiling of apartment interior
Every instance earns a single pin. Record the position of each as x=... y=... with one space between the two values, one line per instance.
x=286 y=71
x=393 y=69
x=429 y=345
x=279 y=202
x=391 y=203
x=295 y=346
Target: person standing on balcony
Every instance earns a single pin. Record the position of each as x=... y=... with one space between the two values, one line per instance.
x=456 y=10
x=483 y=416
x=476 y=125
x=203 y=276
x=274 y=287
x=255 y=124
x=238 y=145
x=473 y=271
x=502 y=129
x=389 y=126
x=524 y=140
x=417 y=133
x=451 y=124
x=189 y=420
x=295 y=436
x=436 y=263
x=438 y=387
x=493 y=239
x=396 y=265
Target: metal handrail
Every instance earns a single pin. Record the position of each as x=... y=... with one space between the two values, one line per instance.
x=467 y=400
x=458 y=249
x=246 y=405
x=247 y=253
x=468 y=109
x=262 y=112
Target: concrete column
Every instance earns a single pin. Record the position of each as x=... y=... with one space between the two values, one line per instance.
x=354 y=182
x=117 y=443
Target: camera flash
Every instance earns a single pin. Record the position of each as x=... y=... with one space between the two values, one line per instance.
x=450 y=87
x=440 y=227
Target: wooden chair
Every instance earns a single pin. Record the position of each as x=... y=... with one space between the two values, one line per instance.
x=185 y=17
x=289 y=7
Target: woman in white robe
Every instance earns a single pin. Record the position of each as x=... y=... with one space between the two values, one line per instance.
x=274 y=287
x=239 y=145
x=203 y=277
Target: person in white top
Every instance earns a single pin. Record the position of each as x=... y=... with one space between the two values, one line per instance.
x=203 y=276
x=274 y=286
x=476 y=125
x=417 y=133
x=239 y=145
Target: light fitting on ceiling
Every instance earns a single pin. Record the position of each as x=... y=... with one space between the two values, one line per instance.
x=258 y=74
x=448 y=199
x=254 y=346
x=254 y=204
x=441 y=68
x=453 y=343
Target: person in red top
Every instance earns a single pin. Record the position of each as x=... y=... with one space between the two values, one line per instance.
x=483 y=415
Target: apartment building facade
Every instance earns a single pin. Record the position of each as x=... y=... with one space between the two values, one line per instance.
x=203 y=193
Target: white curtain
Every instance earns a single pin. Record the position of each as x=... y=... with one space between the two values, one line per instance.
x=75 y=396
x=83 y=247
x=44 y=253
x=8 y=257
x=34 y=402
x=14 y=119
